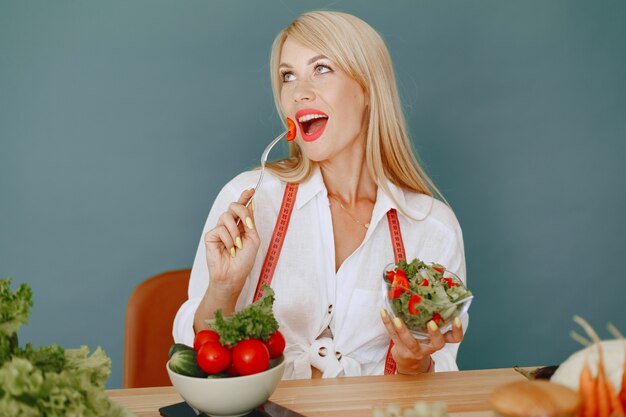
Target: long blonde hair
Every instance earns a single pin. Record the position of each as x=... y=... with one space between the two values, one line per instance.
x=360 y=52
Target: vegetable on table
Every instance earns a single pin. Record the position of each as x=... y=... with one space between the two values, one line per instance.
x=250 y=356
x=239 y=345
x=213 y=358
x=254 y=321
x=48 y=381
x=544 y=372
x=275 y=344
x=596 y=372
x=204 y=336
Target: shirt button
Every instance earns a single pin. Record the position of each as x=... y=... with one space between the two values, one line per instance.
x=322 y=351
x=338 y=355
x=330 y=309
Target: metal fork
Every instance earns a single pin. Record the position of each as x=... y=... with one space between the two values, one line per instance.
x=263 y=161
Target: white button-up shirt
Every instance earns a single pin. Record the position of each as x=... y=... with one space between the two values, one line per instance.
x=331 y=320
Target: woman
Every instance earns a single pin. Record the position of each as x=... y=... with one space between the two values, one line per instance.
x=350 y=173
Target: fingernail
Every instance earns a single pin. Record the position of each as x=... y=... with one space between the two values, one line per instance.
x=238 y=242
x=457 y=322
x=233 y=253
x=253 y=205
x=383 y=313
x=433 y=326
x=397 y=322
x=249 y=223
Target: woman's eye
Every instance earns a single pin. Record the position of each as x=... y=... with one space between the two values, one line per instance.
x=288 y=76
x=322 y=69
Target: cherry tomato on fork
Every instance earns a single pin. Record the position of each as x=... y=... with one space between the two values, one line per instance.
x=291 y=126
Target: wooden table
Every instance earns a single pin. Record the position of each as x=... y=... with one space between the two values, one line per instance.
x=466 y=393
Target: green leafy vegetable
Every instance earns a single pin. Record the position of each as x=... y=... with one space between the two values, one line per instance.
x=255 y=321
x=48 y=381
x=430 y=295
x=47 y=358
x=14 y=312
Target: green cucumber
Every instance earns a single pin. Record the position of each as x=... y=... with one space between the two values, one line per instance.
x=176 y=347
x=184 y=362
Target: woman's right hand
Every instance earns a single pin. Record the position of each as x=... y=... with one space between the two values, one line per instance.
x=231 y=249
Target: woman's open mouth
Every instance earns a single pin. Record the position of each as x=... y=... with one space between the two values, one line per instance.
x=312 y=123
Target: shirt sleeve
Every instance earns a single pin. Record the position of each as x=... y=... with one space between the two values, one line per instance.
x=454 y=260
x=199 y=279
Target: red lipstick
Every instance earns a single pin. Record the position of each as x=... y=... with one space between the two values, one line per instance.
x=304 y=125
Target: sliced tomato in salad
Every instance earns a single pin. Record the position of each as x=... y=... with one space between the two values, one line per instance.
x=413 y=302
x=437 y=318
x=450 y=282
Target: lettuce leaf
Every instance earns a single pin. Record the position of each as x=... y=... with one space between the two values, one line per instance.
x=254 y=321
x=48 y=381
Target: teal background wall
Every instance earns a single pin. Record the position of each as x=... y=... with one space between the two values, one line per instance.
x=121 y=120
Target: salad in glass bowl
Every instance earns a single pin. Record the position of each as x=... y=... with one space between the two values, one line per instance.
x=418 y=293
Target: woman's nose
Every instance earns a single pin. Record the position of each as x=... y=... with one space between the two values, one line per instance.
x=303 y=91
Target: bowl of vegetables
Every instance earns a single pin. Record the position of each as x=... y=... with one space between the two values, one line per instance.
x=418 y=293
x=228 y=396
x=235 y=365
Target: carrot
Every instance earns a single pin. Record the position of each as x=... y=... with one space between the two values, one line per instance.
x=616 y=407
x=588 y=393
x=604 y=393
x=622 y=393
x=603 y=386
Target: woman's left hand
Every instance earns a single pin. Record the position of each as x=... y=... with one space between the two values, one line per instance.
x=411 y=355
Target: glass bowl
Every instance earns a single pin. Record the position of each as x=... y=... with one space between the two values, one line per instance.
x=417 y=306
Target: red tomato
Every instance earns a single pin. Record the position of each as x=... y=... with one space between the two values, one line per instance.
x=291 y=126
x=231 y=370
x=213 y=357
x=251 y=356
x=275 y=344
x=437 y=319
x=204 y=336
x=413 y=302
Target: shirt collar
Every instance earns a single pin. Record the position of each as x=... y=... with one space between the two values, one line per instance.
x=310 y=188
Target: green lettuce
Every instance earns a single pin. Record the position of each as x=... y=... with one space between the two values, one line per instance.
x=254 y=321
x=49 y=381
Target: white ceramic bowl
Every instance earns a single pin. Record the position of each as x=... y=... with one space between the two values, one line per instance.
x=228 y=397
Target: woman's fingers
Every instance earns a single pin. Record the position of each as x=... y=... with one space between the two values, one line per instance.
x=219 y=237
x=406 y=338
x=236 y=222
x=244 y=213
x=436 y=337
x=227 y=220
x=391 y=328
x=456 y=334
x=404 y=342
x=245 y=196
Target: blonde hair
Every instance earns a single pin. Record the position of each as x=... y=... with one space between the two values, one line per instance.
x=360 y=52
